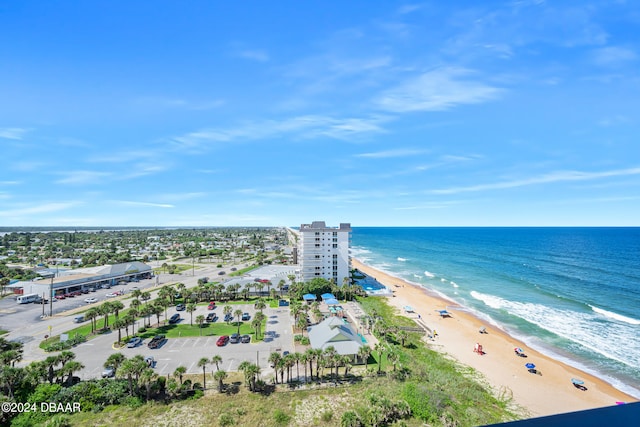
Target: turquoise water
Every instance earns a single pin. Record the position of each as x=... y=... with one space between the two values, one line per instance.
x=573 y=293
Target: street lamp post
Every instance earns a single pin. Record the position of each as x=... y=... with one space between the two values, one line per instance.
x=50 y=298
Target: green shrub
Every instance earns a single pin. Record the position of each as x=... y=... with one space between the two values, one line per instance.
x=326 y=416
x=305 y=341
x=280 y=417
x=226 y=419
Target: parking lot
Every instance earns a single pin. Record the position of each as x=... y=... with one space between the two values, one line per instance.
x=188 y=351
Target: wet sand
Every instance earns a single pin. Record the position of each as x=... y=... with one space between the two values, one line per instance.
x=550 y=391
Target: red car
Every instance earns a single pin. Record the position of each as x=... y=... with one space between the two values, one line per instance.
x=60 y=297
x=211 y=305
x=222 y=341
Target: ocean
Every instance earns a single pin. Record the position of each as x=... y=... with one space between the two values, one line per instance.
x=571 y=293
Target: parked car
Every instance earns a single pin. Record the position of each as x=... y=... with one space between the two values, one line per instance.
x=180 y=307
x=222 y=341
x=245 y=339
x=221 y=273
x=108 y=372
x=112 y=294
x=156 y=341
x=85 y=291
x=211 y=317
x=76 y=293
x=134 y=342
x=211 y=305
x=245 y=316
x=174 y=319
x=234 y=338
x=60 y=296
x=228 y=317
x=178 y=295
x=90 y=300
x=233 y=269
x=151 y=362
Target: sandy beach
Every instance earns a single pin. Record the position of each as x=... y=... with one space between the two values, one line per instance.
x=548 y=392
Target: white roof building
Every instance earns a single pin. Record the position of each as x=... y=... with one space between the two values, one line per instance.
x=333 y=331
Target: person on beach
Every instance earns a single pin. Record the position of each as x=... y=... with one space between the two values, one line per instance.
x=475 y=347
x=435 y=333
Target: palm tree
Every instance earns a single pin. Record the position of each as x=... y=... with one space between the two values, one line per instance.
x=119 y=324
x=402 y=336
x=202 y=363
x=216 y=360
x=190 y=309
x=158 y=308
x=379 y=348
x=227 y=310
x=116 y=306
x=260 y=305
x=105 y=310
x=220 y=376
x=114 y=360
x=179 y=372
x=145 y=296
x=363 y=353
x=330 y=355
x=136 y=294
x=238 y=314
x=147 y=377
x=91 y=315
x=146 y=312
x=126 y=370
x=256 y=324
x=281 y=284
x=69 y=368
x=181 y=288
x=302 y=324
x=200 y=321
x=274 y=360
x=394 y=358
x=304 y=358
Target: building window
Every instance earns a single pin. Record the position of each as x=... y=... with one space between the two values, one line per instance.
x=335 y=246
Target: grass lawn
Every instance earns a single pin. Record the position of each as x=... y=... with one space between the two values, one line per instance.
x=184 y=329
x=243 y=270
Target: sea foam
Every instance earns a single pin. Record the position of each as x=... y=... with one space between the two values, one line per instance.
x=619 y=344
x=429 y=274
x=616 y=316
x=401 y=259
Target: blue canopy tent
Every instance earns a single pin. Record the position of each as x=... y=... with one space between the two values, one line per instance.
x=444 y=313
x=327 y=296
x=309 y=297
x=332 y=301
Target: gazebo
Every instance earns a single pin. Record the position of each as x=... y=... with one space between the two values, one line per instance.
x=327 y=296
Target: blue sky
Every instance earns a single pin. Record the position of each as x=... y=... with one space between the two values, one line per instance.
x=211 y=113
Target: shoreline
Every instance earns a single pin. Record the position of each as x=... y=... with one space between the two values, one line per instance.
x=550 y=393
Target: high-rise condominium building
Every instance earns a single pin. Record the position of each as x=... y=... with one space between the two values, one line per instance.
x=324 y=251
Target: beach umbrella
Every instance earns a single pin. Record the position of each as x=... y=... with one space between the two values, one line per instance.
x=518 y=349
x=530 y=366
x=577 y=381
x=332 y=301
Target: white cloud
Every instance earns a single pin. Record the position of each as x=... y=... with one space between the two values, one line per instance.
x=303 y=127
x=143 y=204
x=560 y=176
x=38 y=209
x=255 y=55
x=82 y=177
x=391 y=153
x=161 y=102
x=613 y=56
x=437 y=90
x=12 y=133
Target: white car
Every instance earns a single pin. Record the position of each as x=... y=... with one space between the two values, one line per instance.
x=112 y=294
x=90 y=300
